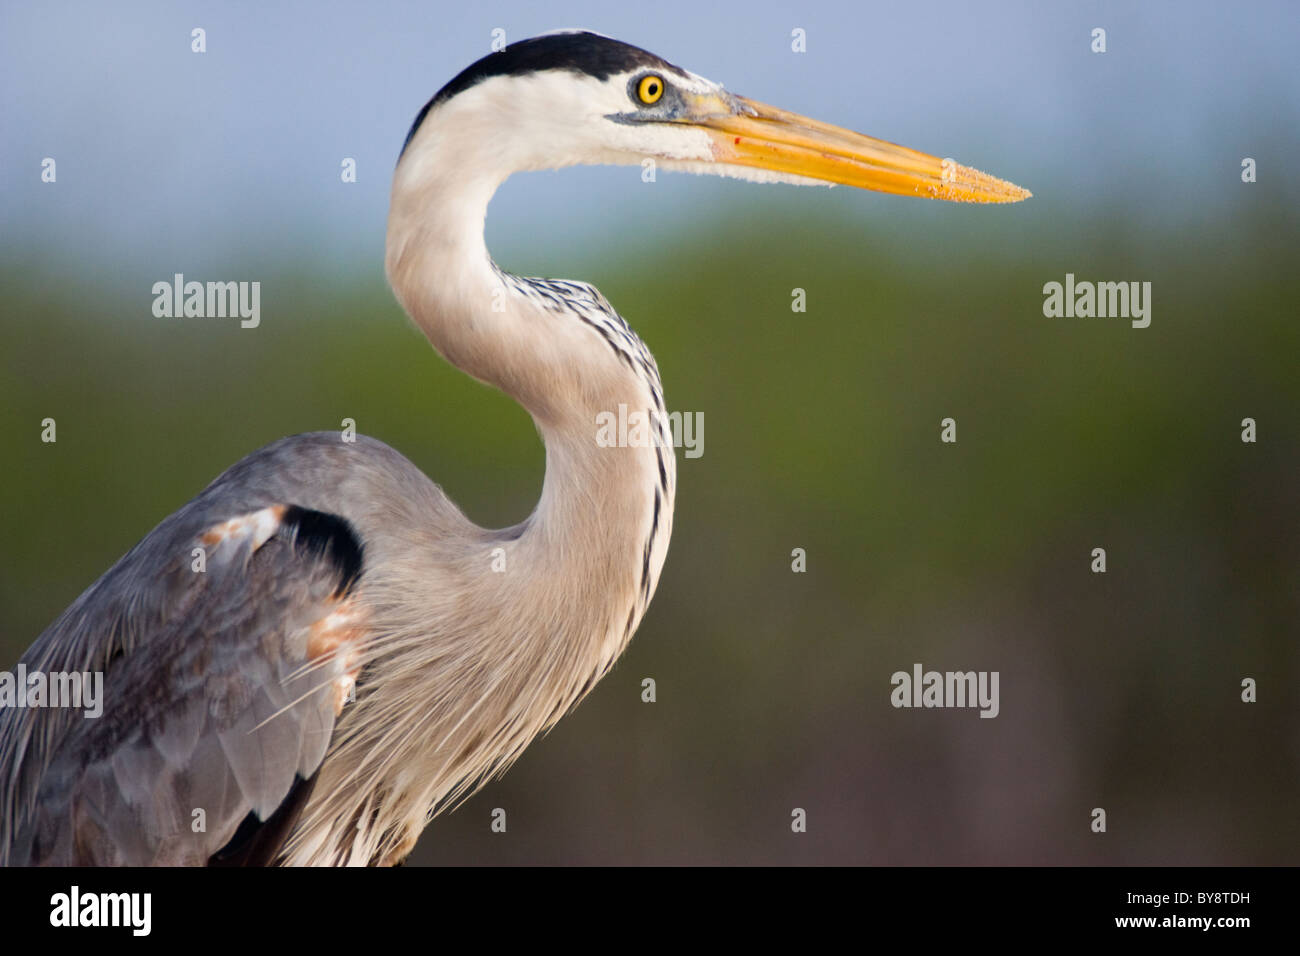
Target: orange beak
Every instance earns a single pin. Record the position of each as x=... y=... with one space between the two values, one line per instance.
x=748 y=133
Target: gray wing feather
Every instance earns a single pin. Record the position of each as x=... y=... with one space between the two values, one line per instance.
x=207 y=703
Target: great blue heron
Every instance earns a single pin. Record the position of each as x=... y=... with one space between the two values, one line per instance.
x=355 y=655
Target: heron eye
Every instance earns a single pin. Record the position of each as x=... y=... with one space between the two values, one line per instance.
x=650 y=88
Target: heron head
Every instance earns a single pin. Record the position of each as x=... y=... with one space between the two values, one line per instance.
x=576 y=97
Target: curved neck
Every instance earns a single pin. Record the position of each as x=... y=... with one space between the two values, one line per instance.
x=597 y=540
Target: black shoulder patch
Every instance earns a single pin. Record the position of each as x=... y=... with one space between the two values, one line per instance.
x=588 y=53
x=259 y=842
x=318 y=533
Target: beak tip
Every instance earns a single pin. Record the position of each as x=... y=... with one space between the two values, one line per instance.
x=962 y=183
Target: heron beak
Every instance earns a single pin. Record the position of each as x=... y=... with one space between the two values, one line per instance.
x=748 y=133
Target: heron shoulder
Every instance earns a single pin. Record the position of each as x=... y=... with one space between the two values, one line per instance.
x=226 y=640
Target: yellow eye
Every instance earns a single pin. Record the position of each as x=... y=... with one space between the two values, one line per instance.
x=650 y=88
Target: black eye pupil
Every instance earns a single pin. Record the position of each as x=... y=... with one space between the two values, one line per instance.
x=654 y=88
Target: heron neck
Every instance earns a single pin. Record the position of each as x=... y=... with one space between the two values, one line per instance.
x=596 y=542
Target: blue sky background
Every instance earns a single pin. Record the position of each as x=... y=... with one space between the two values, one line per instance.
x=232 y=157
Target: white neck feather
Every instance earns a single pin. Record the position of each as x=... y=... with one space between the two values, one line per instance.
x=580 y=570
x=555 y=361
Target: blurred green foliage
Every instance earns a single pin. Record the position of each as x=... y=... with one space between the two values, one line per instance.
x=821 y=432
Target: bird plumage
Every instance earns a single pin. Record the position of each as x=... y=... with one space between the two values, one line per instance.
x=356 y=655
